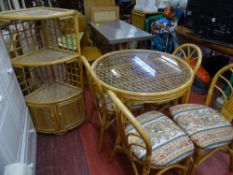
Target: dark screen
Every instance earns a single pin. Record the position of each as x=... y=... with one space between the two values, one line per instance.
x=210 y=18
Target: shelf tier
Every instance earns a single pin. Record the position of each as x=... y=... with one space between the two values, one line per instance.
x=44 y=57
x=52 y=93
x=36 y=13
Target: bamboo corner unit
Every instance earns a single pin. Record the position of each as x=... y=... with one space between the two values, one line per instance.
x=51 y=78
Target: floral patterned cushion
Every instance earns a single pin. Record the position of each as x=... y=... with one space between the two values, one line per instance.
x=169 y=143
x=206 y=127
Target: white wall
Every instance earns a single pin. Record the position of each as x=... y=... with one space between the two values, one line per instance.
x=175 y=3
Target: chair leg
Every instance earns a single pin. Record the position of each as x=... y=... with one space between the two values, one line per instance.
x=116 y=145
x=231 y=155
x=101 y=135
x=187 y=166
x=196 y=160
x=194 y=168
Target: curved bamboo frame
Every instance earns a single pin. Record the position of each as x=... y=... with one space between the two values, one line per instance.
x=191 y=54
x=106 y=117
x=124 y=117
x=217 y=84
x=60 y=13
x=136 y=97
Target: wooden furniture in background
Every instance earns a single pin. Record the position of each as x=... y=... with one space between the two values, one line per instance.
x=148 y=140
x=108 y=13
x=188 y=34
x=88 y=4
x=138 y=18
x=88 y=50
x=209 y=129
x=118 y=32
x=50 y=77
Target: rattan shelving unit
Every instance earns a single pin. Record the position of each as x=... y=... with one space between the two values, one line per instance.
x=50 y=77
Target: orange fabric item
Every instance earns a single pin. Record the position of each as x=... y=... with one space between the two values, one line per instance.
x=202 y=74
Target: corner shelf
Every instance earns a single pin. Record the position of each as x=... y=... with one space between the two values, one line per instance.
x=34 y=13
x=50 y=75
x=44 y=57
x=53 y=92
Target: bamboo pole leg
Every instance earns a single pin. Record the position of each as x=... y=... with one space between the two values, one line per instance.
x=116 y=145
x=231 y=156
x=197 y=157
x=101 y=134
x=187 y=166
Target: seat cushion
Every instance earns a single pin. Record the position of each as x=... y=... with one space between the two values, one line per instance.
x=206 y=127
x=169 y=143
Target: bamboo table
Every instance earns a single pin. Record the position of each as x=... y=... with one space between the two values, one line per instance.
x=144 y=75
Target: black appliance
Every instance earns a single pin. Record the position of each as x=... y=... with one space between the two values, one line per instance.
x=212 y=19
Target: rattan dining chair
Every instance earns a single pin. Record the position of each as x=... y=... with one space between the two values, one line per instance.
x=102 y=102
x=152 y=140
x=209 y=129
x=192 y=54
x=88 y=49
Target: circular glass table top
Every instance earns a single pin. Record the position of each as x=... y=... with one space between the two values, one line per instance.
x=142 y=71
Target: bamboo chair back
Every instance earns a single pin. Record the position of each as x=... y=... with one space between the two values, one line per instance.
x=221 y=85
x=105 y=116
x=96 y=89
x=124 y=117
x=88 y=4
x=191 y=54
x=108 y=13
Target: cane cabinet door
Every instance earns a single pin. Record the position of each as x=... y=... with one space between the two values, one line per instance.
x=72 y=112
x=44 y=118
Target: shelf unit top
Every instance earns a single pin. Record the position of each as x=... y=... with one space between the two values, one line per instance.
x=36 y=13
x=52 y=93
x=44 y=57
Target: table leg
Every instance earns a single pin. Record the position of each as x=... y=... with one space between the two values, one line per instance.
x=132 y=44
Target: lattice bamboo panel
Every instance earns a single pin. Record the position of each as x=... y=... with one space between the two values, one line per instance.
x=67 y=74
x=27 y=35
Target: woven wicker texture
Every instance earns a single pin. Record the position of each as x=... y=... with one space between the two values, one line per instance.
x=33 y=78
x=142 y=71
x=37 y=12
x=25 y=36
x=44 y=56
x=53 y=92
